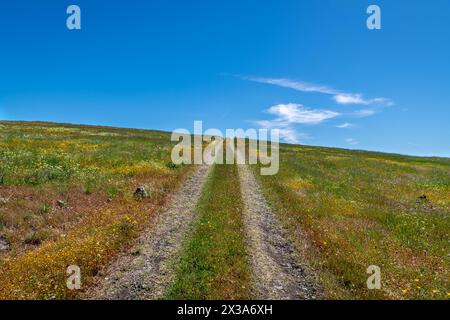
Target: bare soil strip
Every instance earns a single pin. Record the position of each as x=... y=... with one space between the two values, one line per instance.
x=277 y=269
x=146 y=271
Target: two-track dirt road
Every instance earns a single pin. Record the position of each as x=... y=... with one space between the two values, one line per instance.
x=148 y=269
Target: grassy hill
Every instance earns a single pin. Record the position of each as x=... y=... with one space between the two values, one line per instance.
x=355 y=209
x=66 y=198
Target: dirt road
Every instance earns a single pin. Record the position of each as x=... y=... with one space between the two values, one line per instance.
x=277 y=270
x=145 y=272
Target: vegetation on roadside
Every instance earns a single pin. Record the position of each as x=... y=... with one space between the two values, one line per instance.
x=66 y=198
x=214 y=263
x=357 y=209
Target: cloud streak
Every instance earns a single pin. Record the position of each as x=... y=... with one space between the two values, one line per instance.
x=339 y=97
x=352 y=141
x=297 y=113
x=288 y=115
x=296 y=85
x=345 y=125
x=364 y=113
x=290 y=135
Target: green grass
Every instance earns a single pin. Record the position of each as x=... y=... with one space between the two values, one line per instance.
x=214 y=263
x=356 y=209
x=362 y=208
x=94 y=171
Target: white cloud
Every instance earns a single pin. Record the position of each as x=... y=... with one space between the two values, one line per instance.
x=344 y=98
x=290 y=135
x=352 y=141
x=297 y=113
x=271 y=124
x=338 y=96
x=287 y=115
x=382 y=101
x=345 y=125
x=364 y=113
x=296 y=85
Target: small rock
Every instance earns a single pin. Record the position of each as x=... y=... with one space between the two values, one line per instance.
x=61 y=203
x=135 y=252
x=141 y=192
x=288 y=265
x=4 y=244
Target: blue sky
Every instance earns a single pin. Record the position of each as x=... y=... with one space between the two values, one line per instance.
x=310 y=68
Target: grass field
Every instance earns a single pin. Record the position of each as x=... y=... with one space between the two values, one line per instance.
x=356 y=209
x=214 y=263
x=66 y=198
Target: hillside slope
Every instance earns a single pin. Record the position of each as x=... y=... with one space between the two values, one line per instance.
x=67 y=198
x=353 y=209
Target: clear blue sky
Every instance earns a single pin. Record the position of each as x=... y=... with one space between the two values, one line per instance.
x=310 y=68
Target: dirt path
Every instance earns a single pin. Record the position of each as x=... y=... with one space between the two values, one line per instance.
x=277 y=270
x=148 y=269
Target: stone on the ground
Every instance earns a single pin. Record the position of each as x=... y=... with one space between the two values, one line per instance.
x=141 y=192
x=4 y=245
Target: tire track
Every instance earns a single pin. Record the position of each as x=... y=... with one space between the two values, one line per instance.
x=277 y=271
x=147 y=272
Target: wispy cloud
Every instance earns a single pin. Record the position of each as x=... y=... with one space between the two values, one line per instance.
x=364 y=113
x=297 y=113
x=352 y=141
x=290 y=135
x=346 y=98
x=338 y=96
x=296 y=85
x=288 y=115
x=345 y=125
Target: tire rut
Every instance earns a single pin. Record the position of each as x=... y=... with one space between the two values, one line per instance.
x=147 y=272
x=277 y=270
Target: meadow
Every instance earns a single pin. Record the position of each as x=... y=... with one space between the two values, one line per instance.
x=67 y=198
x=214 y=260
x=348 y=210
